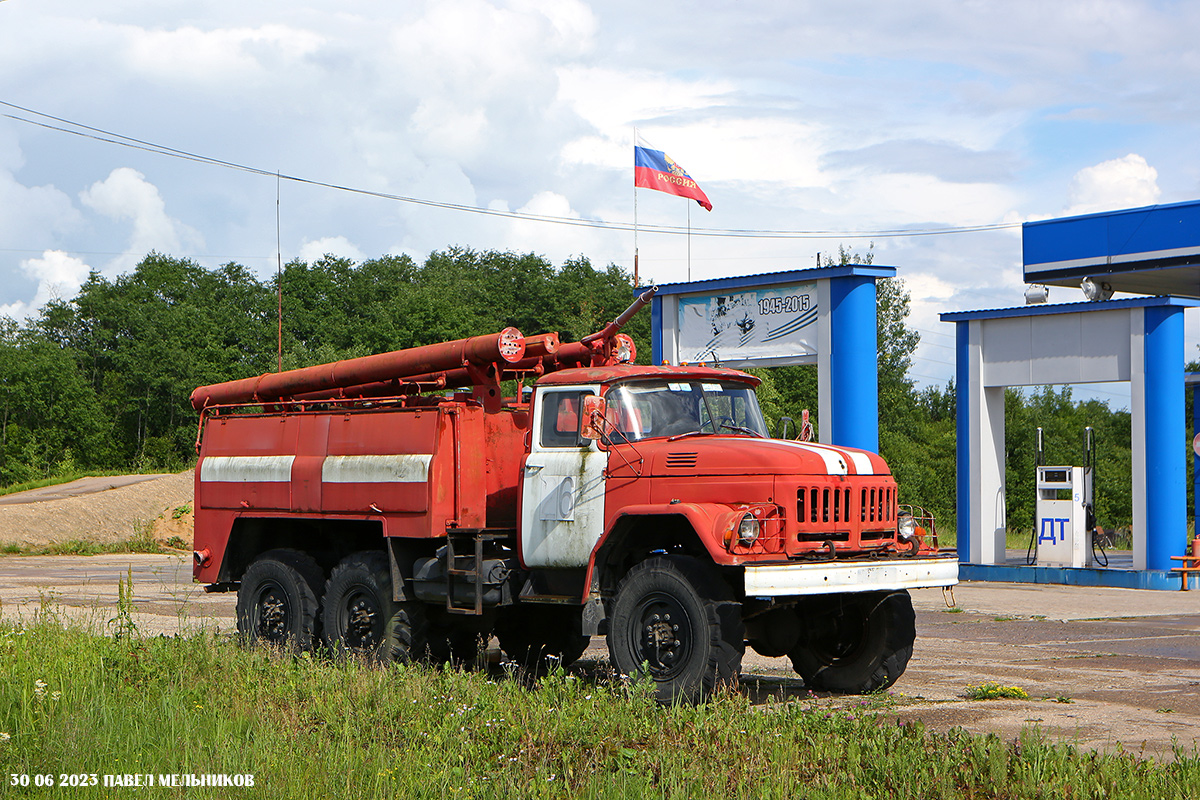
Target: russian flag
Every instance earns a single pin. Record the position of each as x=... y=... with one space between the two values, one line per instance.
x=654 y=169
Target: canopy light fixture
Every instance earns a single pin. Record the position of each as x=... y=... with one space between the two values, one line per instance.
x=1095 y=291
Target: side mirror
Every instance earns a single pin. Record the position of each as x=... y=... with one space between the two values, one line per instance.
x=593 y=418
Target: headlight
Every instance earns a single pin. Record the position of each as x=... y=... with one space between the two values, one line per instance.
x=748 y=530
x=906 y=528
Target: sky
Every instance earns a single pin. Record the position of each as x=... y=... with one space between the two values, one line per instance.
x=845 y=119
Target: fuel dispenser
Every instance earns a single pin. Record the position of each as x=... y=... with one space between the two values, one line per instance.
x=1065 y=518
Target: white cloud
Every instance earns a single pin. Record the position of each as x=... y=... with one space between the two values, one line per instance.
x=29 y=213
x=472 y=64
x=216 y=56
x=59 y=277
x=573 y=22
x=126 y=195
x=448 y=129
x=1126 y=182
x=613 y=100
x=555 y=242
x=339 y=246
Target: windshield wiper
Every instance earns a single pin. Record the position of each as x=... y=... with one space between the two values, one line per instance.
x=720 y=427
x=689 y=433
x=741 y=429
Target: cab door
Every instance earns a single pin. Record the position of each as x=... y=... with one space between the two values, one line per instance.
x=562 y=484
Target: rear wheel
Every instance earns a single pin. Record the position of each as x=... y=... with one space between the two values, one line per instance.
x=277 y=601
x=534 y=635
x=855 y=643
x=362 y=618
x=675 y=615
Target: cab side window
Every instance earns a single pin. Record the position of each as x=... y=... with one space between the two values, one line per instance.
x=560 y=419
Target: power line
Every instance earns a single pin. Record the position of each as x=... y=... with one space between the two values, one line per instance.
x=110 y=137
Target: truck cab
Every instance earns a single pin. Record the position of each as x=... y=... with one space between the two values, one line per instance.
x=673 y=467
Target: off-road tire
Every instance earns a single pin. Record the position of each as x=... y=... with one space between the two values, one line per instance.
x=676 y=616
x=533 y=636
x=856 y=643
x=360 y=616
x=277 y=602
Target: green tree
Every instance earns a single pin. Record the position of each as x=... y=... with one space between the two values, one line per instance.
x=50 y=418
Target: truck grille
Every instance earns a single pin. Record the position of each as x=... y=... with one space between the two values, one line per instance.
x=845 y=511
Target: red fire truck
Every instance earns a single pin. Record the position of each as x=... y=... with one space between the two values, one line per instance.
x=399 y=506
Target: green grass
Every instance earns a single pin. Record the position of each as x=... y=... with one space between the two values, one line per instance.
x=140 y=542
x=991 y=690
x=76 y=701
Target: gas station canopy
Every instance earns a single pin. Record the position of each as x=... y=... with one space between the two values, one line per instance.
x=1153 y=250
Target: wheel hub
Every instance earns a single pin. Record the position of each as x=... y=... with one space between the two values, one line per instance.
x=272 y=616
x=360 y=623
x=661 y=645
x=660 y=632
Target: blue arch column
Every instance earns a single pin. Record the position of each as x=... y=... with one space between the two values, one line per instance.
x=1193 y=381
x=1166 y=470
x=964 y=470
x=853 y=367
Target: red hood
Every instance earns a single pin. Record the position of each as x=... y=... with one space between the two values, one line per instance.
x=746 y=455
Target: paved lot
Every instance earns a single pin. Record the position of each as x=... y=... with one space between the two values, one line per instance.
x=85 y=588
x=1102 y=666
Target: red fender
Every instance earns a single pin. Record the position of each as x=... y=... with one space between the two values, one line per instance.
x=709 y=520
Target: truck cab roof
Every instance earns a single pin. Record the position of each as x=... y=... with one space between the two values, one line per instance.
x=627 y=371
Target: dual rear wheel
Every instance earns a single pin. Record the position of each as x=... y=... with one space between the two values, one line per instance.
x=356 y=614
x=278 y=600
x=360 y=616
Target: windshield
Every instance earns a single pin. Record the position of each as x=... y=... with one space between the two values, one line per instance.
x=645 y=409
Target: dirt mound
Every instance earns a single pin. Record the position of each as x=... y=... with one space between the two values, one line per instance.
x=162 y=505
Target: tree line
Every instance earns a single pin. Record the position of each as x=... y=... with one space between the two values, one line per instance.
x=101 y=381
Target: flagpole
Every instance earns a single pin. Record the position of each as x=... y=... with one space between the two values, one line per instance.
x=635 y=217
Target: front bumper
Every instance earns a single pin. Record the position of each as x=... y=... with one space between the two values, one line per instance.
x=833 y=577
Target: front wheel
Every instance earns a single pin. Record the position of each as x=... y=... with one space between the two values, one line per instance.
x=675 y=615
x=856 y=643
x=362 y=618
